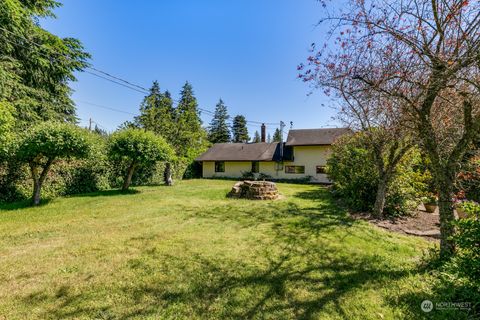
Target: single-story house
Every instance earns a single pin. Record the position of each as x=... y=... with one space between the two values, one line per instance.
x=303 y=156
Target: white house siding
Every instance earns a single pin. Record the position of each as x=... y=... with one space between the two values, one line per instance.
x=308 y=156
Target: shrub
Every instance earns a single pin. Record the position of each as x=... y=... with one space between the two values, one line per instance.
x=47 y=142
x=136 y=148
x=467 y=240
x=355 y=178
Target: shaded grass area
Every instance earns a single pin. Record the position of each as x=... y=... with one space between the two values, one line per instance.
x=187 y=252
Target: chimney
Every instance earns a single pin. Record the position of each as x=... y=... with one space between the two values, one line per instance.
x=264 y=133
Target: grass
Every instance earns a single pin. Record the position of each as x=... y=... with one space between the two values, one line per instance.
x=187 y=252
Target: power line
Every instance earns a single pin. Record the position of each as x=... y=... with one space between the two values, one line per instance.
x=111 y=78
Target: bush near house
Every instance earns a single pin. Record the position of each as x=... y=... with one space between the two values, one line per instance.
x=135 y=148
x=355 y=178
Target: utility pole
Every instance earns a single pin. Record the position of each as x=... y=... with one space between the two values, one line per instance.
x=90 y=124
x=282 y=126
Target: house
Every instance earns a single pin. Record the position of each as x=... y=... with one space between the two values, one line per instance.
x=303 y=156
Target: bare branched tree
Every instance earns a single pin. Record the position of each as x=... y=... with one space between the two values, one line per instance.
x=425 y=55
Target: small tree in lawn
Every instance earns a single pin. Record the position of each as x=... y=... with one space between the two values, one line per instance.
x=136 y=147
x=43 y=144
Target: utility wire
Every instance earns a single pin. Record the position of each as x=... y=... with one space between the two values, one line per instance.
x=109 y=77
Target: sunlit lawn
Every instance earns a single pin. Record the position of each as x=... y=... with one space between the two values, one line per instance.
x=187 y=252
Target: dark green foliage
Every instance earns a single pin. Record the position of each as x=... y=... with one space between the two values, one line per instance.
x=467 y=241
x=239 y=129
x=277 y=135
x=355 y=178
x=157 y=113
x=7 y=122
x=135 y=148
x=47 y=142
x=36 y=66
x=256 y=137
x=219 y=132
x=190 y=139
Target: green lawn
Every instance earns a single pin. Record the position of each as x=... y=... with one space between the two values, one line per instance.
x=187 y=252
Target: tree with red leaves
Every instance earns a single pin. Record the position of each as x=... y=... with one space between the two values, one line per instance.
x=424 y=56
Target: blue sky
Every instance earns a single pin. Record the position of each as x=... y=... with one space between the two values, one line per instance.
x=243 y=51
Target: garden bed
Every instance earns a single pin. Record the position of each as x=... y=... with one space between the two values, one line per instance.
x=422 y=224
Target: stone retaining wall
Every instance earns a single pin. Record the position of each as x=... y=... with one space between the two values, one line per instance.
x=255 y=190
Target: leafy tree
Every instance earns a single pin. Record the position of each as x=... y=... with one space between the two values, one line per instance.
x=277 y=135
x=239 y=129
x=36 y=66
x=46 y=142
x=256 y=137
x=7 y=122
x=218 y=130
x=137 y=147
x=425 y=55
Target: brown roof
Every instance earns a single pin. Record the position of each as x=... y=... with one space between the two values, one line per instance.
x=311 y=137
x=261 y=151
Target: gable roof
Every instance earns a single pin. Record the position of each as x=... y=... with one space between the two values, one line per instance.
x=312 y=137
x=262 y=151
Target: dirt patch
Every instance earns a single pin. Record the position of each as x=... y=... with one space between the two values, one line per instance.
x=422 y=224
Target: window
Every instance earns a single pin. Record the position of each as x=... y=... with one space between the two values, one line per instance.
x=255 y=166
x=295 y=169
x=219 y=166
x=321 y=169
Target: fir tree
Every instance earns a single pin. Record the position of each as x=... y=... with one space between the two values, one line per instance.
x=256 y=137
x=219 y=132
x=269 y=138
x=189 y=138
x=239 y=129
x=277 y=135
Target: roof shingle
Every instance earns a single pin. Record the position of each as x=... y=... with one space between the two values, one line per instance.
x=312 y=137
x=262 y=151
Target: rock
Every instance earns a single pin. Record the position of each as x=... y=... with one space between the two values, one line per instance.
x=255 y=190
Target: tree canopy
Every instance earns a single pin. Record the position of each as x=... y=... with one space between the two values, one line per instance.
x=239 y=129
x=137 y=147
x=219 y=131
x=36 y=65
x=46 y=142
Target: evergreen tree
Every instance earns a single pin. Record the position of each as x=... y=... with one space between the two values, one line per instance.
x=269 y=138
x=219 y=132
x=277 y=135
x=256 y=137
x=239 y=129
x=37 y=66
x=190 y=139
x=157 y=113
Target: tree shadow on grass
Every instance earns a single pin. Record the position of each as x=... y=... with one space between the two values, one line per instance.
x=295 y=274
x=106 y=193
x=23 y=204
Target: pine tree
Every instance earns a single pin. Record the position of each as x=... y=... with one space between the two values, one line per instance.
x=256 y=137
x=269 y=138
x=239 y=129
x=277 y=135
x=190 y=139
x=219 y=132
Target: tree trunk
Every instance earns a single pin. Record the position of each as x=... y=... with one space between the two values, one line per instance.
x=447 y=216
x=168 y=174
x=38 y=180
x=381 y=196
x=128 y=178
